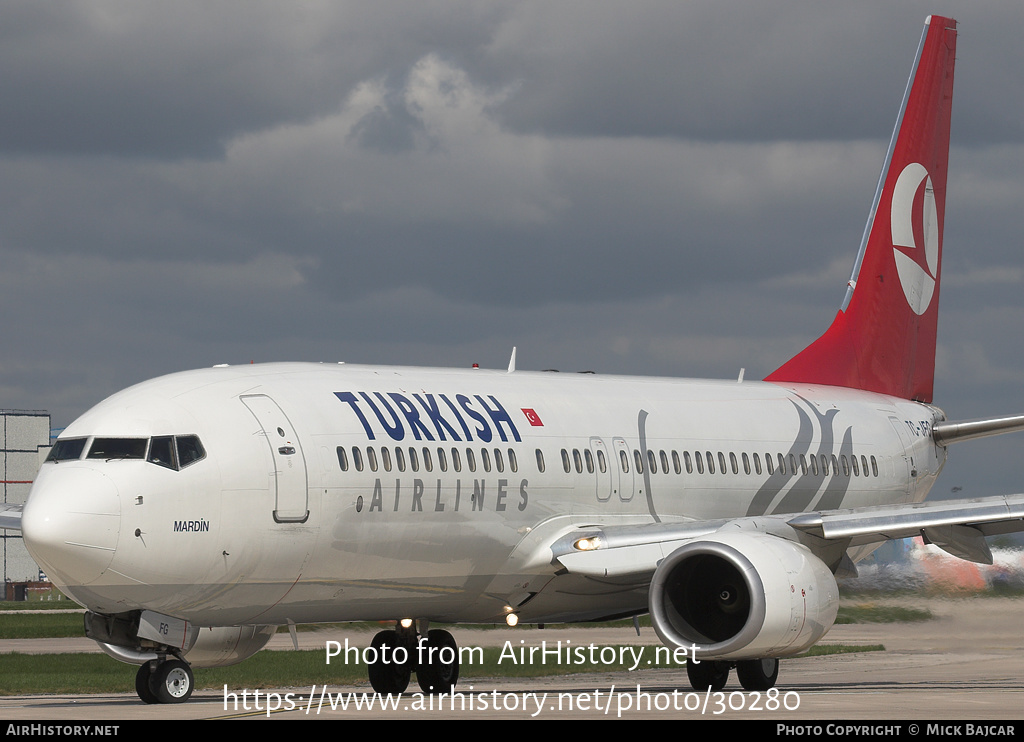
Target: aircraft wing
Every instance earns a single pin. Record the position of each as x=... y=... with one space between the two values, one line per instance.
x=10 y=516
x=958 y=527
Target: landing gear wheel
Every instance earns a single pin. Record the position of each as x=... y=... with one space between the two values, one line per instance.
x=142 y=684
x=386 y=675
x=171 y=682
x=707 y=674
x=758 y=674
x=441 y=671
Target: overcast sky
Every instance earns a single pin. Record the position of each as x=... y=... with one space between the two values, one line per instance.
x=659 y=188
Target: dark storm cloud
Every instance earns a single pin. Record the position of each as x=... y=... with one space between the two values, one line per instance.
x=169 y=80
x=652 y=187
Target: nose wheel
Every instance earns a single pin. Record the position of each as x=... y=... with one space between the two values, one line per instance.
x=167 y=681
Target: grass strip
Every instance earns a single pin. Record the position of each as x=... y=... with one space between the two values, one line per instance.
x=96 y=673
x=881 y=613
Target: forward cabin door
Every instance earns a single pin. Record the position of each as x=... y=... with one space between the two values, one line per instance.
x=289 y=466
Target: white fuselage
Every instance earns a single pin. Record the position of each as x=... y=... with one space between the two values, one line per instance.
x=273 y=524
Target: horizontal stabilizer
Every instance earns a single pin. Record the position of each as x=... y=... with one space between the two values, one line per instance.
x=966 y=430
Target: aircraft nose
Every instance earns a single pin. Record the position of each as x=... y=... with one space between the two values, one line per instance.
x=71 y=522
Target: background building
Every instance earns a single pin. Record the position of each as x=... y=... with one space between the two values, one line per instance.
x=24 y=444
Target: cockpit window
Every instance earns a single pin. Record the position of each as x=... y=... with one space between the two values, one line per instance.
x=161 y=452
x=190 y=450
x=118 y=448
x=67 y=449
x=176 y=452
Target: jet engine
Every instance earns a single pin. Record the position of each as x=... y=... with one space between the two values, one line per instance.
x=740 y=596
x=228 y=645
x=138 y=637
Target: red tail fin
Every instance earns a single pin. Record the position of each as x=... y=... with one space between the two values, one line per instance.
x=883 y=339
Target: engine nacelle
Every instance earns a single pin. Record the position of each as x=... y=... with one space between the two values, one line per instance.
x=743 y=596
x=140 y=636
x=228 y=645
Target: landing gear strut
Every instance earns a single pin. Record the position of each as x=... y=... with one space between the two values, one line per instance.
x=166 y=681
x=433 y=655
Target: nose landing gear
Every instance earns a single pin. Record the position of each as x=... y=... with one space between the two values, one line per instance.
x=167 y=681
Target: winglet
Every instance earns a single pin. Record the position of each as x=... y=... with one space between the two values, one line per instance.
x=883 y=338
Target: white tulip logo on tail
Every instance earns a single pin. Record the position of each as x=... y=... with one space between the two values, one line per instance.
x=917 y=279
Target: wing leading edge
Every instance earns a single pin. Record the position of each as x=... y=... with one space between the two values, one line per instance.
x=958 y=527
x=10 y=517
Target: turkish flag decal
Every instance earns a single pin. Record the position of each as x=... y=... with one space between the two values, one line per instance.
x=533 y=417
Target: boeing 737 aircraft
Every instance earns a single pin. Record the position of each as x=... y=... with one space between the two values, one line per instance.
x=193 y=514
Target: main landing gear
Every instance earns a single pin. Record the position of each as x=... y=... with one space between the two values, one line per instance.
x=395 y=654
x=714 y=674
x=164 y=681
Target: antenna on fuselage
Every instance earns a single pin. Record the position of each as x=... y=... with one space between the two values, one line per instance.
x=512 y=360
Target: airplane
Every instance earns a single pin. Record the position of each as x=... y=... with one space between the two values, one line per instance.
x=193 y=514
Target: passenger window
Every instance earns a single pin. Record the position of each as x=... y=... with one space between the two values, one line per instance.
x=721 y=462
x=711 y=463
x=499 y=462
x=577 y=460
x=757 y=463
x=688 y=462
x=400 y=458
x=442 y=460
x=624 y=461
x=357 y=458
x=732 y=462
x=456 y=461
x=414 y=461
x=639 y=461
x=540 y=461
x=485 y=459
x=513 y=465
x=428 y=464
x=470 y=459
x=342 y=458
x=700 y=462
x=676 y=464
x=371 y=458
x=874 y=467
x=385 y=458
x=588 y=457
x=769 y=463
x=602 y=463
x=565 y=461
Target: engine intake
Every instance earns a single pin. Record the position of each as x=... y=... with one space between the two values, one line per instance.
x=743 y=596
